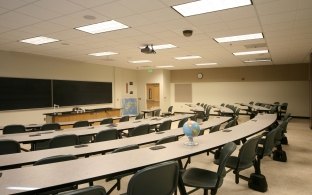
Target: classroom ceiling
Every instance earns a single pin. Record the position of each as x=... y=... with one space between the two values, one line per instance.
x=285 y=24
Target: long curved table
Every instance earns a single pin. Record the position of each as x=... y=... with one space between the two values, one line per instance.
x=39 y=178
x=25 y=158
x=30 y=137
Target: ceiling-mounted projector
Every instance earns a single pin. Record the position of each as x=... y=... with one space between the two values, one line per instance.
x=148 y=50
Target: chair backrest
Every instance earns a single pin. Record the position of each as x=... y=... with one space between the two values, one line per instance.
x=268 y=144
x=231 y=123
x=139 y=116
x=248 y=152
x=106 y=121
x=9 y=129
x=124 y=119
x=236 y=112
x=159 y=179
x=55 y=159
x=279 y=133
x=157 y=112
x=284 y=106
x=207 y=111
x=164 y=140
x=273 y=109
x=286 y=116
x=182 y=121
x=105 y=135
x=81 y=124
x=215 y=128
x=225 y=153
x=166 y=125
x=63 y=140
x=91 y=190
x=126 y=148
x=139 y=130
x=50 y=126
x=8 y=146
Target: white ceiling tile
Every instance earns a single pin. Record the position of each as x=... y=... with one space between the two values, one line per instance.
x=141 y=6
x=90 y=3
x=59 y=6
x=279 y=18
x=2 y=10
x=43 y=28
x=12 y=4
x=77 y=19
x=277 y=6
x=243 y=23
x=114 y=10
x=16 y=20
x=305 y=4
x=38 y=12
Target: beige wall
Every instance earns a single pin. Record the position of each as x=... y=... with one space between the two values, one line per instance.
x=292 y=72
x=123 y=77
x=156 y=76
x=283 y=83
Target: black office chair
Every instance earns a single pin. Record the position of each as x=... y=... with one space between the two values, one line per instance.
x=215 y=128
x=169 y=112
x=123 y=174
x=139 y=116
x=159 y=179
x=206 y=179
x=258 y=181
x=164 y=140
x=50 y=126
x=182 y=121
x=63 y=141
x=41 y=145
x=105 y=135
x=84 y=139
x=166 y=125
x=156 y=112
x=283 y=109
x=81 y=124
x=286 y=118
x=91 y=190
x=124 y=119
x=245 y=159
x=106 y=121
x=8 y=146
x=279 y=154
x=139 y=130
x=10 y=129
x=55 y=159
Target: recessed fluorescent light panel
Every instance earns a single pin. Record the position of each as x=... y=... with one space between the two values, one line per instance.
x=102 y=27
x=262 y=60
x=250 y=52
x=206 y=64
x=39 y=40
x=206 y=6
x=164 y=46
x=106 y=53
x=187 y=57
x=166 y=66
x=239 y=38
x=140 y=61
